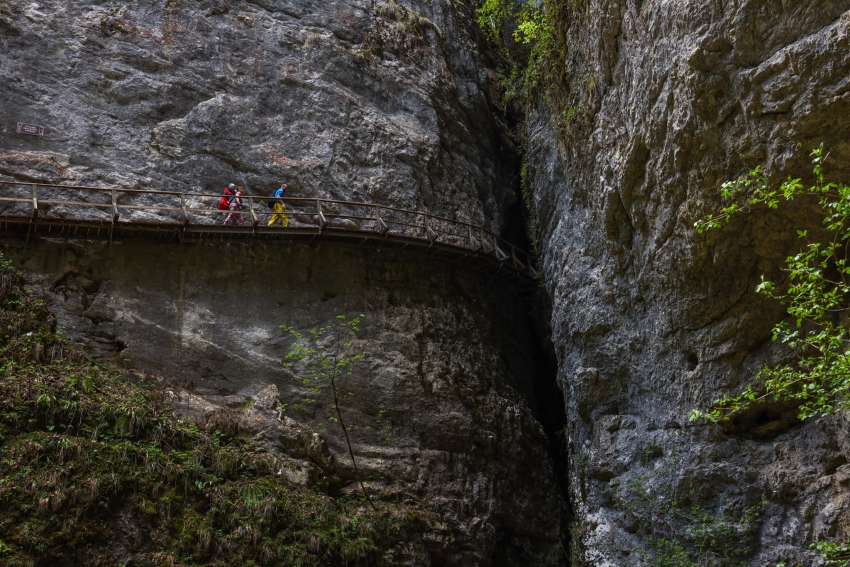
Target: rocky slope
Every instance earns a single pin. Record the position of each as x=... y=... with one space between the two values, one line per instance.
x=651 y=320
x=377 y=101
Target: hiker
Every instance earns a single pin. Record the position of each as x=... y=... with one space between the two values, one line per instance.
x=226 y=197
x=277 y=205
x=236 y=205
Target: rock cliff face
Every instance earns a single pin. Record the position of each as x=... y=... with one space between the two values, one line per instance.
x=376 y=101
x=450 y=368
x=373 y=101
x=651 y=320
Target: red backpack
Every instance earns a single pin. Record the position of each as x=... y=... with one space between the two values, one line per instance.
x=224 y=203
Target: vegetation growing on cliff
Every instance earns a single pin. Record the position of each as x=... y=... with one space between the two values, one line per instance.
x=529 y=43
x=326 y=356
x=531 y=39
x=816 y=375
x=679 y=533
x=816 y=295
x=92 y=469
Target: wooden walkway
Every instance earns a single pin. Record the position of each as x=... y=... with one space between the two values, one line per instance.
x=32 y=209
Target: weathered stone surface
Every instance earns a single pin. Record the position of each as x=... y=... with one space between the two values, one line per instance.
x=651 y=320
x=450 y=368
x=384 y=102
x=378 y=102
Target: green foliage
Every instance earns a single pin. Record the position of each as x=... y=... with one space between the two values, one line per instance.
x=324 y=355
x=818 y=377
x=680 y=534
x=529 y=41
x=539 y=72
x=835 y=554
x=81 y=447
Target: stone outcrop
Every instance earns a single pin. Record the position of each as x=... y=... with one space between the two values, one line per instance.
x=378 y=102
x=651 y=320
x=384 y=102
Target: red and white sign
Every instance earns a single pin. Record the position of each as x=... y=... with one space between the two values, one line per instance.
x=30 y=129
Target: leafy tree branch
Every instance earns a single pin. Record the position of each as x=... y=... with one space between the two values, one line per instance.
x=816 y=296
x=326 y=354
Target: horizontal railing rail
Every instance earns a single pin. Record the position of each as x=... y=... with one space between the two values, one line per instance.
x=36 y=204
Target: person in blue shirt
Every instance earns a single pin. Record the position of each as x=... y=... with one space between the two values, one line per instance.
x=279 y=207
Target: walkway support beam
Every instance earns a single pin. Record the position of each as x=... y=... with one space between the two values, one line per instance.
x=95 y=212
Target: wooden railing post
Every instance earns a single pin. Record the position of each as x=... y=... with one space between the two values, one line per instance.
x=35 y=202
x=517 y=263
x=429 y=232
x=321 y=216
x=484 y=244
x=473 y=243
x=382 y=226
x=34 y=216
x=500 y=254
x=115 y=213
x=254 y=220
x=183 y=206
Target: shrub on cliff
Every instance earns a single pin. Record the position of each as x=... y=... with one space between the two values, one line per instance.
x=816 y=376
x=94 y=471
x=816 y=295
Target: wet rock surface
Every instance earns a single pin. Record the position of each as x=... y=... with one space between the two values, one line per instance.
x=651 y=320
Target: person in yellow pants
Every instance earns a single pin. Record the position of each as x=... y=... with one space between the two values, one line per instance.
x=279 y=207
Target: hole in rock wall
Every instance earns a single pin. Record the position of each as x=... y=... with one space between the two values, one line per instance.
x=764 y=421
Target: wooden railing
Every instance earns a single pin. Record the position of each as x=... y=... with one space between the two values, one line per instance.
x=122 y=212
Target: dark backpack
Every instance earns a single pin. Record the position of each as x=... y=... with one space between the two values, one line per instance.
x=224 y=202
x=270 y=203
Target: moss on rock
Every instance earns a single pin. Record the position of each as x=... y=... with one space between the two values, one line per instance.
x=94 y=471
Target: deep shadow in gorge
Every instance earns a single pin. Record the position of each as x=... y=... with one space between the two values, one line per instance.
x=550 y=408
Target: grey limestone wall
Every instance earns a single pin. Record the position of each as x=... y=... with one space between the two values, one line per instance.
x=450 y=366
x=651 y=320
x=361 y=100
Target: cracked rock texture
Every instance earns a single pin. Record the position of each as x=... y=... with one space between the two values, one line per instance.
x=441 y=411
x=382 y=102
x=651 y=320
x=369 y=101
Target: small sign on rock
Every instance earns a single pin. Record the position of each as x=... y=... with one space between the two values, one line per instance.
x=30 y=129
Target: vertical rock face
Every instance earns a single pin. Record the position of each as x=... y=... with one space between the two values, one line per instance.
x=441 y=412
x=375 y=101
x=651 y=320
x=381 y=102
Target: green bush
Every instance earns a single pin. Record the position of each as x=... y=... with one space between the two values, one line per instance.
x=816 y=295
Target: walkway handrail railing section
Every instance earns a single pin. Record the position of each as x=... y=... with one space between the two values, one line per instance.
x=35 y=202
